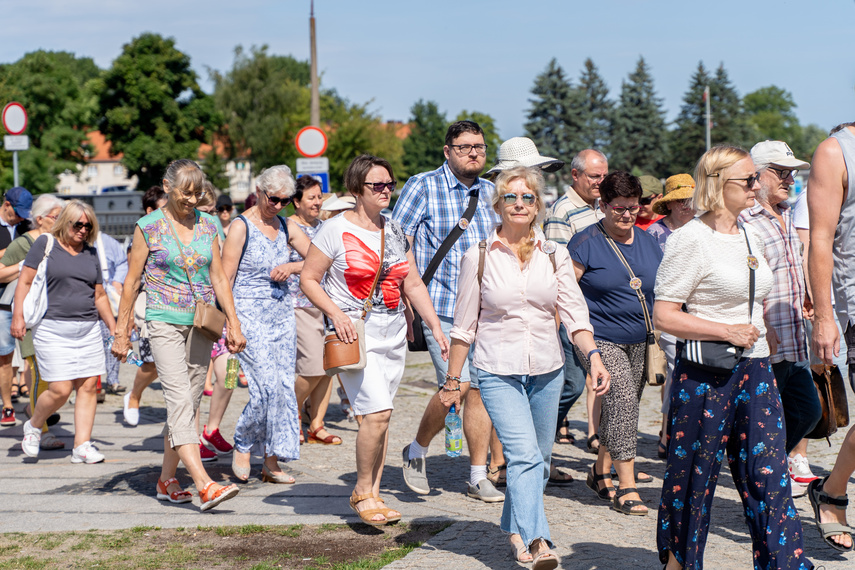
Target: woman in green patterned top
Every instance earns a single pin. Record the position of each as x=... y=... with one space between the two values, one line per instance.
x=179 y=250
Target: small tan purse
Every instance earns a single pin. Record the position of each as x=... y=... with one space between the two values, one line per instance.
x=340 y=356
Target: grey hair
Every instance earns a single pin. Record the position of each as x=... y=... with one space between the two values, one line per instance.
x=43 y=206
x=275 y=180
x=580 y=161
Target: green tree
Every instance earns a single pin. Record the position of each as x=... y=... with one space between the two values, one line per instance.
x=491 y=134
x=264 y=101
x=553 y=120
x=423 y=147
x=771 y=111
x=54 y=89
x=639 y=136
x=596 y=113
x=812 y=135
x=731 y=124
x=688 y=139
x=152 y=107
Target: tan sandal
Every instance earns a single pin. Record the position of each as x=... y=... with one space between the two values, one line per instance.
x=386 y=510
x=366 y=515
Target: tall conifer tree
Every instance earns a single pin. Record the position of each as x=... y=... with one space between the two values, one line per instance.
x=597 y=110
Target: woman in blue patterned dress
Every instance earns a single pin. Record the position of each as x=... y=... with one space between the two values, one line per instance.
x=312 y=381
x=256 y=258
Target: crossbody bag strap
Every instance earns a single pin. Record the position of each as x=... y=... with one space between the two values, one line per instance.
x=648 y=322
x=750 y=278
x=246 y=239
x=452 y=237
x=367 y=305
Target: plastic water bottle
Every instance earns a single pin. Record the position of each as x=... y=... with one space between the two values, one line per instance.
x=131 y=357
x=453 y=433
x=232 y=372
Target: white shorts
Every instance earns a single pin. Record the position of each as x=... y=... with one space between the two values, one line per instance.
x=373 y=388
x=67 y=350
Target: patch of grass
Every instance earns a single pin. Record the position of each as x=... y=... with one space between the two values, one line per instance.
x=384 y=559
x=116 y=541
x=293 y=531
x=144 y=529
x=8 y=549
x=25 y=563
x=265 y=566
x=204 y=528
x=86 y=542
x=327 y=527
x=49 y=541
x=176 y=555
x=322 y=560
x=245 y=530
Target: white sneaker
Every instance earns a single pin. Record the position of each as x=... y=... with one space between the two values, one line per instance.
x=132 y=415
x=800 y=470
x=86 y=453
x=32 y=437
x=798 y=489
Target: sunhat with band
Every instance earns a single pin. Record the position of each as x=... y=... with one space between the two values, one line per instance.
x=521 y=151
x=677 y=187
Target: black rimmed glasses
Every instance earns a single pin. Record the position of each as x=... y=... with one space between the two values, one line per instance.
x=784 y=173
x=378 y=187
x=749 y=181
x=621 y=210
x=464 y=149
x=511 y=198
x=276 y=200
x=82 y=226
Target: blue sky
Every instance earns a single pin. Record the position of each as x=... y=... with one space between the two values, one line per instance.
x=479 y=55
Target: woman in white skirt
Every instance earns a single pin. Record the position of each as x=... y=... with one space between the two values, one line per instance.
x=350 y=249
x=67 y=341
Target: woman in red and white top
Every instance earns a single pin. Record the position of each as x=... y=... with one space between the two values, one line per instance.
x=526 y=282
x=347 y=249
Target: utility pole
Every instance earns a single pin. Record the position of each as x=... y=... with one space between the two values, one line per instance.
x=315 y=113
x=708 y=114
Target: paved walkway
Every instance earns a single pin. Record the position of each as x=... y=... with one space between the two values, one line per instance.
x=53 y=494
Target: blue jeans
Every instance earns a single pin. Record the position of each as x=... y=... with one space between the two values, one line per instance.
x=798 y=395
x=524 y=409
x=7 y=341
x=468 y=374
x=574 y=377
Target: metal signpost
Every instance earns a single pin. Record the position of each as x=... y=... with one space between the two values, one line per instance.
x=15 y=123
x=312 y=143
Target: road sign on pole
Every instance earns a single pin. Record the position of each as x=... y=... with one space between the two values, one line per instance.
x=14 y=119
x=322 y=177
x=16 y=142
x=320 y=164
x=311 y=142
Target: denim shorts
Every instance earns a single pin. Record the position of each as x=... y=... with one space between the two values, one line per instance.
x=468 y=374
x=7 y=341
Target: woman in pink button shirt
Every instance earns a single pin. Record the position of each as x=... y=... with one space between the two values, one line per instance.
x=517 y=350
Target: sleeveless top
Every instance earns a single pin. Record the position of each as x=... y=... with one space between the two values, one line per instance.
x=300 y=300
x=169 y=296
x=261 y=255
x=843 y=277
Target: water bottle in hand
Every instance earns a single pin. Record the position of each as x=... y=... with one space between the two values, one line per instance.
x=131 y=357
x=453 y=433
x=232 y=372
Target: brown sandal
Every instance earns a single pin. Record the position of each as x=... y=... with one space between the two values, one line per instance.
x=386 y=510
x=328 y=440
x=366 y=515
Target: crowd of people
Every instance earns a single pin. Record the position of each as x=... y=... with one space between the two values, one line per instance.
x=521 y=307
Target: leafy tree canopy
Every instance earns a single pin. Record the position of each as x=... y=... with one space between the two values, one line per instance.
x=491 y=135
x=423 y=147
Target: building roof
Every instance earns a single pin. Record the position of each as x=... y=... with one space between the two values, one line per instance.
x=101 y=148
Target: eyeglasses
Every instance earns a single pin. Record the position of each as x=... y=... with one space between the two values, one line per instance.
x=378 y=187
x=511 y=198
x=222 y=209
x=621 y=210
x=276 y=200
x=82 y=226
x=49 y=216
x=464 y=149
x=597 y=178
x=784 y=173
x=749 y=181
x=197 y=195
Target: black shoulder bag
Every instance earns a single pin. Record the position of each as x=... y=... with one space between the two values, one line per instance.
x=720 y=356
x=419 y=343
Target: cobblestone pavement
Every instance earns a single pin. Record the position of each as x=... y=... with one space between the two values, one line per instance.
x=53 y=494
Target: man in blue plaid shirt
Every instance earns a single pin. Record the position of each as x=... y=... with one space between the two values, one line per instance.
x=430 y=205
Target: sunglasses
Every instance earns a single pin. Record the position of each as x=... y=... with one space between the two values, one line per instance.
x=378 y=187
x=222 y=209
x=784 y=173
x=82 y=226
x=645 y=201
x=749 y=181
x=510 y=199
x=275 y=200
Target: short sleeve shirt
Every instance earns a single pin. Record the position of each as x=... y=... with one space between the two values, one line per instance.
x=300 y=300
x=614 y=307
x=71 y=280
x=356 y=254
x=169 y=296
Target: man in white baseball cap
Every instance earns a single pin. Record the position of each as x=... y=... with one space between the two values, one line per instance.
x=772 y=218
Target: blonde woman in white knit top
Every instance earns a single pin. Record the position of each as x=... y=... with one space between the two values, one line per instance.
x=734 y=414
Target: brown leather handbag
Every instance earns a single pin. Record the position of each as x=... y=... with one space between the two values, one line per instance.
x=340 y=356
x=832 y=398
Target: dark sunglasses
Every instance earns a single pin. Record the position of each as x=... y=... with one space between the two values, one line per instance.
x=226 y=208
x=645 y=201
x=378 y=187
x=749 y=182
x=81 y=226
x=784 y=173
x=275 y=200
x=510 y=198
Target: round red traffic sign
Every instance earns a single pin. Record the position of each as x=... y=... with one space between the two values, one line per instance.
x=311 y=142
x=14 y=118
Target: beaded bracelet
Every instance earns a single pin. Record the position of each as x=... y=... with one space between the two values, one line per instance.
x=450 y=377
x=595 y=351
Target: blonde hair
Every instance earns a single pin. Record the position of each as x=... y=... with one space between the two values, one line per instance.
x=208 y=199
x=71 y=213
x=709 y=177
x=533 y=179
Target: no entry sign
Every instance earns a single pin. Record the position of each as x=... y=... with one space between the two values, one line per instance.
x=311 y=142
x=14 y=118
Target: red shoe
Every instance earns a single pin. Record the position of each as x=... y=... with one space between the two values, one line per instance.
x=212 y=496
x=207 y=454
x=215 y=442
x=174 y=497
x=8 y=417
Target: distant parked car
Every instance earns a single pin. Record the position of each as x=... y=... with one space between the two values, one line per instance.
x=107 y=189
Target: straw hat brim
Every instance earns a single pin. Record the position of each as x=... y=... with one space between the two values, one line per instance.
x=678 y=194
x=544 y=162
